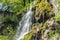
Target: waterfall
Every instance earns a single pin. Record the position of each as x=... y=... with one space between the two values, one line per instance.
x=24 y=25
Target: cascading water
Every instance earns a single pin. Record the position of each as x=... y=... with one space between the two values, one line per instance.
x=24 y=25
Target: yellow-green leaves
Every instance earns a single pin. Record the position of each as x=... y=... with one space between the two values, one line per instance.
x=45 y=5
x=58 y=18
x=41 y=5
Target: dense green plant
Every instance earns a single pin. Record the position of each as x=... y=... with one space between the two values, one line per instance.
x=58 y=18
x=3 y=37
x=52 y=35
x=27 y=37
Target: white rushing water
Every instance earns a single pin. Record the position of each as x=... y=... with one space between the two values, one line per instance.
x=24 y=25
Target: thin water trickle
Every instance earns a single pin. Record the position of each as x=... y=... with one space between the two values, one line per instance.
x=55 y=7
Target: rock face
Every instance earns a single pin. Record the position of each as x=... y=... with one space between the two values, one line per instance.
x=43 y=11
x=48 y=31
x=51 y=26
x=45 y=22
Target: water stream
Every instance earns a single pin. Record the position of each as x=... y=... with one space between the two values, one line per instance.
x=24 y=25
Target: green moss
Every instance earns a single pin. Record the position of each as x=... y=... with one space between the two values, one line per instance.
x=52 y=35
x=27 y=37
x=58 y=18
x=44 y=26
x=9 y=32
x=3 y=37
